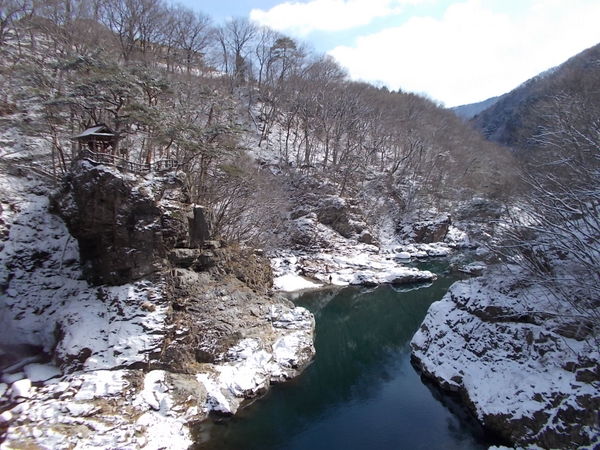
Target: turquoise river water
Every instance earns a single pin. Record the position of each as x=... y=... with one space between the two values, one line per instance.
x=361 y=391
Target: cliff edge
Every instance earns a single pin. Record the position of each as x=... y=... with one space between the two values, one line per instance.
x=122 y=322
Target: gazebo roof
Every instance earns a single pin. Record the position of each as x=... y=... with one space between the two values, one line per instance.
x=101 y=131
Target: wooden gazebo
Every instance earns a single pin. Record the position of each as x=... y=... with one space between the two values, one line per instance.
x=98 y=139
x=100 y=145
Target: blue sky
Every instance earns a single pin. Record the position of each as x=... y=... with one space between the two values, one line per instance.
x=454 y=51
x=321 y=40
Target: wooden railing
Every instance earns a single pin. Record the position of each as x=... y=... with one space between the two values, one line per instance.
x=162 y=165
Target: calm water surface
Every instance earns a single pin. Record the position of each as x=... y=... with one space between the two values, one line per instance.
x=361 y=391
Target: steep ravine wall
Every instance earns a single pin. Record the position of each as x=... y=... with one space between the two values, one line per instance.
x=526 y=370
x=143 y=328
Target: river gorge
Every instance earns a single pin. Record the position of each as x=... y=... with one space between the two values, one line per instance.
x=361 y=391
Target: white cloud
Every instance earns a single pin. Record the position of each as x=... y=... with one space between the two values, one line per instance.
x=326 y=15
x=473 y=51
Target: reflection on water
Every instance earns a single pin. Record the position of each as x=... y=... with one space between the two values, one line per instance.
x=361 y=392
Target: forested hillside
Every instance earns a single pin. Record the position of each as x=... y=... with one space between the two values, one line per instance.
x=241 y=107
x=522 y=117
x=467 y=112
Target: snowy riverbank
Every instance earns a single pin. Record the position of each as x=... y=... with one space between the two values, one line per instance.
x=359 y=266
x=354 y=264
x=527 y=370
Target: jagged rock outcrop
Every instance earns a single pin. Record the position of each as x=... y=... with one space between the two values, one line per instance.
x=427 y=231
x=188 y=328
x=199 y=226
x=123 y=234
x=502 y=345
x=335 y=212
x=305 y=228
x=480 y=210
x=314 y=202
x=249 y=266
x=211 y=313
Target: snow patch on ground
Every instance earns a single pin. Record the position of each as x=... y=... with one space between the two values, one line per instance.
x=290 y=282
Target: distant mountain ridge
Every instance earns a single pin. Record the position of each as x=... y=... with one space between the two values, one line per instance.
x=512 y=119
x=467 y=112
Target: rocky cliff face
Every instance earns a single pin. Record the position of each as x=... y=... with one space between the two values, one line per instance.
x=527 y=370
x=426 y=231
x=122 y=232
x=160 y=328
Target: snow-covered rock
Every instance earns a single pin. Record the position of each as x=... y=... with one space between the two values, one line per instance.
x=250 y=366
x=358 y=264
x=403 y=256
x=418 y=251
x=102 y=409
x=10 y=378
x=458 y=238
x=101 y=383
x=473 y=268
x=20 y=389
x=41 y=372
x=497 y=343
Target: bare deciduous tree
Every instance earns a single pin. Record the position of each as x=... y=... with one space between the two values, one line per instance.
x=234 y=40
x=10 y=13
x=555 y=232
